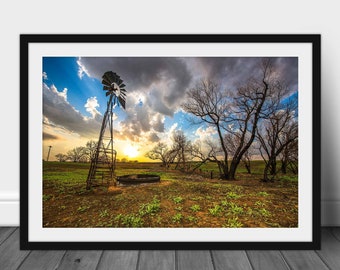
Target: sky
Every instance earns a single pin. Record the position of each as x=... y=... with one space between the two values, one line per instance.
x=74 y=102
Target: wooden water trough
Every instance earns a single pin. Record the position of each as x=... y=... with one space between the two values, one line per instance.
x=135 y=179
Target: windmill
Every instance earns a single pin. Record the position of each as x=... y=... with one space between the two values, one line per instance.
x=104 y=159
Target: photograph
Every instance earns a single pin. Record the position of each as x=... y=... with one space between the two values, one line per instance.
x=170 y=142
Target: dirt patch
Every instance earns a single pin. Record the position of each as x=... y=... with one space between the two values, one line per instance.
x=179 y=200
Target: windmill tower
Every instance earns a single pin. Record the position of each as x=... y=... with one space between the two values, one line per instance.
x=104 y=159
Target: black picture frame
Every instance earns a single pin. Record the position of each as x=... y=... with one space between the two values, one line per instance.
x=27 y=165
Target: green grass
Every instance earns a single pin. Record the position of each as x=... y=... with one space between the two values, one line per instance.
x=216 y=210
x=177 y=218
x=130 y=221
x=264 y=212
x=233 y=223
x=259 y=203
x=195 y=208
x=263 y=194
x=47 y=197
x=233 y=195
x=178 y=199
x=234 y=208
x=150 y=208
x=103 y=213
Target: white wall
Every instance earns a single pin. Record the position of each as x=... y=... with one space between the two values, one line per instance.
x=154 y=16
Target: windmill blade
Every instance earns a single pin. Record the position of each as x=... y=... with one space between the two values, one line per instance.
x=105 y=82
x=109 y=77
x=122 y=102
x=106 y=77
x=119 y=81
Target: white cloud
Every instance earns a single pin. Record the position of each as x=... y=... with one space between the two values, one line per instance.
x=44 y=75
x=204 y=134
x=173 y=128
x=91 y=105
x=166 y=137
x=62 y=94
x=82 y=69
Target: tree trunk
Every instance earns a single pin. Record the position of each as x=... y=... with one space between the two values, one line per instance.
x=273 y=166
x=284 y=166
x=268 y=169
x=247 y=165
x=233 y=166
x=265 y=173
x=224 y=171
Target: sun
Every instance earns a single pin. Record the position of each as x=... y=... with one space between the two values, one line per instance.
x=131 y=151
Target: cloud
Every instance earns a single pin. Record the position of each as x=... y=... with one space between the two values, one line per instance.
x=59 y=112
x=141 y=121
x=157 y=122
x=204 y=134
x=82 y=69
x=44 y=75
x=91 y=105
x=231 y=72
x=164 y=79
x=156 y=86
x=49 y=137
x=153 y=137
x=155 y=89
x=156 y=103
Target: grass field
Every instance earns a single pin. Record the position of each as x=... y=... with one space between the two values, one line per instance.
x=179 y=200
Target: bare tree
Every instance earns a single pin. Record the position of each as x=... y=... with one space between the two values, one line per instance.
x=210 y=152
x=209 y=104
x=91 y=148
x=76 y=153
x=240 y=111
x=61 y=157
x=161 y=152
x=232 y=142
x=289 y=158
x=278 y=131
x=181 y=147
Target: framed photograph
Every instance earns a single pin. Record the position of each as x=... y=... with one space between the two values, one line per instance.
x=170 y=141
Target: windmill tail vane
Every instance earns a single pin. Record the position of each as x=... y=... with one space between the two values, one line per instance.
x=103 y=163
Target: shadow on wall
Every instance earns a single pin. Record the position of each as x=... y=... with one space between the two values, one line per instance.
x=330 y=157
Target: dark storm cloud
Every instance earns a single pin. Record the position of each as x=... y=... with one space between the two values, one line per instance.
x=154 y=101
x=288 y=69
x=231 y=72
x=141 y=73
